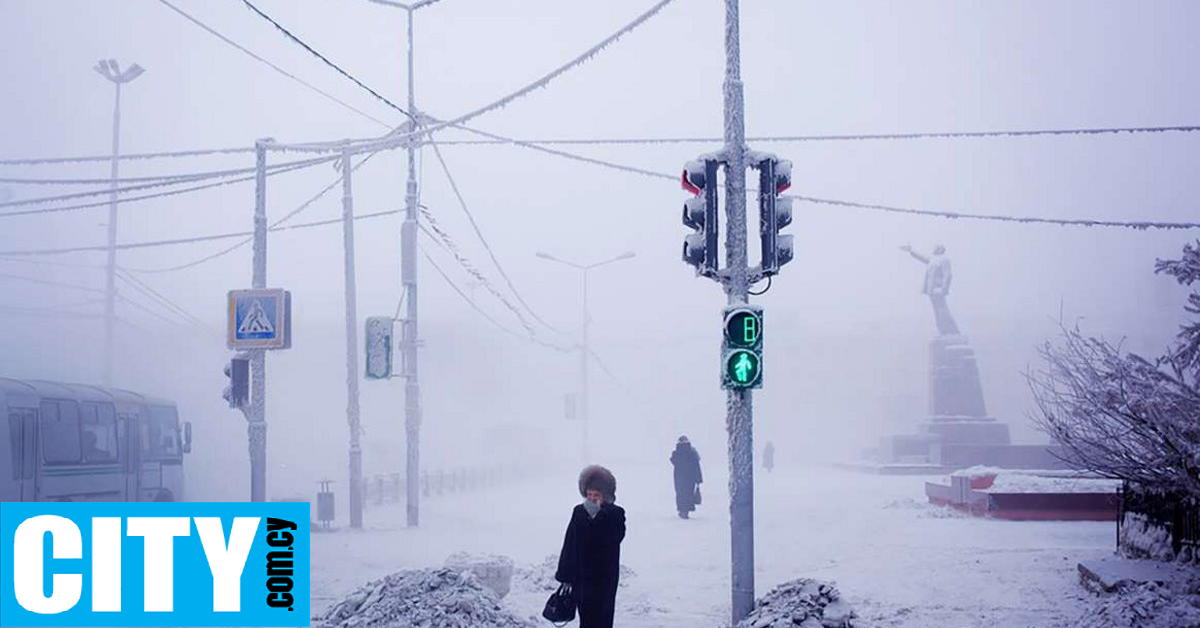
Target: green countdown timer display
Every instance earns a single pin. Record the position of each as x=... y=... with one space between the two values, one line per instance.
x=742 y=368
x=743 y=328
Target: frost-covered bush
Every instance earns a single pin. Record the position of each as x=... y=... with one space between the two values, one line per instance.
x=1123 y=415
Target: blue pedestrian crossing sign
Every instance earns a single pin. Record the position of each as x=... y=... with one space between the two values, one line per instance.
x=259 y=319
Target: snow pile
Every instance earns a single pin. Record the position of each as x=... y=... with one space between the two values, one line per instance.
x=1021 y=483
x=540 y=576
x=424 y=598
x=1142 y=539
x=1146 y=605
x=494 y=572
x=803 y=603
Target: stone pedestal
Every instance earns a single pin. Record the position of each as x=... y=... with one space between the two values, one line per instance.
x=954 y=389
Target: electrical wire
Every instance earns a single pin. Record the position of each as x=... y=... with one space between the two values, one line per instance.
x=176 y=192
x=272 y=65
x=327 y=62
x=844 y=137
x=301 y=208
x=764 y=290
x=169 y=178
x=166 y=181
x=475 y=306
x=1139 y=225
x=479 y=233
x=571 y=156
x=34 y=161
x=393 y=139
x=163 y=301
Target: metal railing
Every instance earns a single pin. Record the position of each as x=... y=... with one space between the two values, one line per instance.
x=1176 y=514
x=384 y=488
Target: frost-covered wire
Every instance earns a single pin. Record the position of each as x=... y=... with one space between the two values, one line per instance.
x=273 y=66
x=296 y=40
x=394 y=139
x=203 y=152
x=48 y=282
x=15 y=255
x=163 y=179
x=469 y=300
x=479 y=233
x=162 y=183
x=836 y=138
x=572 y=156
x=130 y=199
x=434 y=231
x=1140 y=225
x=161 y=300
x=301 y=208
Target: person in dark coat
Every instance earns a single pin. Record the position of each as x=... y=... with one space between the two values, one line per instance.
x=687 y=476
x=590 y=561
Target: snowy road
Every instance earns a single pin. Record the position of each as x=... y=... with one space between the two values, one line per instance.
x=901 y=562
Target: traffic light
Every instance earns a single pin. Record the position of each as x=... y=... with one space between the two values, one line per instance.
x=774 y=213
x=237 y=393
x=741 y=356
x=700 y=214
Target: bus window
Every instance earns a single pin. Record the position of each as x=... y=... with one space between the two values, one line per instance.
x=60 y=432
x=14 y=442
x=99 y=435
x=160 y=434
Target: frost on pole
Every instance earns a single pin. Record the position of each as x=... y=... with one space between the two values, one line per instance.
x=379 y=347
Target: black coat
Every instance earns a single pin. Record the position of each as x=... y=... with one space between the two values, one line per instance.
x=590 y=562
x=687 y=476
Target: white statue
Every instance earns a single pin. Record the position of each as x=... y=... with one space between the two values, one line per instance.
x=937 y=287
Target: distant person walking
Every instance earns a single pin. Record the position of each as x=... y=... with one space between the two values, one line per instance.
x=590 y=561
x=687 y=477
x=769 y=456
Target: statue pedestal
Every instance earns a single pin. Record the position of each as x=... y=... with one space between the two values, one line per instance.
x=958 y=432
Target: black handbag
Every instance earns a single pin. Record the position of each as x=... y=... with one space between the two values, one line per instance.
x=697 y=498
x=560 y=608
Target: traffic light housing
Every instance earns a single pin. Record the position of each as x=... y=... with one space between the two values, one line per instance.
x=774 y=213
x=741 y=354
x=237 y=393
x=700 y=214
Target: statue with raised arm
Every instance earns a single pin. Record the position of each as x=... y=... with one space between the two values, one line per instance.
x=937 y=287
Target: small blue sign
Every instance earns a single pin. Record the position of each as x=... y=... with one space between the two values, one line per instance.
x=259 y=319
x=154 y=564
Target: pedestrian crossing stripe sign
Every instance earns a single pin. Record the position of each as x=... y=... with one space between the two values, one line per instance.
x=259 y=319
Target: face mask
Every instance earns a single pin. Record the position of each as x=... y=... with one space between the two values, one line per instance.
x=591 y=507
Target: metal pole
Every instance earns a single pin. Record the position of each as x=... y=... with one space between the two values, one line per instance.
x=356 y=484
x=256 y=427
x=740 y=417
x=110 y=287
x=408 y=276
x=584 y=414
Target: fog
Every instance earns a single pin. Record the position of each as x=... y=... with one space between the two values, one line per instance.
x=846 y=326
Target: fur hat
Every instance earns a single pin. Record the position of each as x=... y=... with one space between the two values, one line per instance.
x=684 y=439
x=598 y=478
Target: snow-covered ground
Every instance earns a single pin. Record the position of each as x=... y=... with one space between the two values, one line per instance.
x=898 y=560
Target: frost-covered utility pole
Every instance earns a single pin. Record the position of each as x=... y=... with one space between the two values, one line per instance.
x=352 y=417
x=740 y=415
x=408 y=277
x=108 y=69
x=256 y=423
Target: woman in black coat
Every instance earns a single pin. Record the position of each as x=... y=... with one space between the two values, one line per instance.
x=687 y=476
x=590 y=560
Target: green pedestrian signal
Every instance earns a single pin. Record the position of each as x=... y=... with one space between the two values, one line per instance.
x=742 y=368
x=742 y=350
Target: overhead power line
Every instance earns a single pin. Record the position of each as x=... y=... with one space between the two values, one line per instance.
x=479 y=233
x=397 y=138
x=191 y=240
x=301 y=208
x=1140 y=225
x=203 y=152
x=153 y=181
x=130 y=199
x=835 y=138
x=327 y=62
x=272 y=65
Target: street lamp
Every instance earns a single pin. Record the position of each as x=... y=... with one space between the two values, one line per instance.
x=583 y=345
x=109 y=69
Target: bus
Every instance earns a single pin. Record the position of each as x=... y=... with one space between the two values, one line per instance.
x=75 y=442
